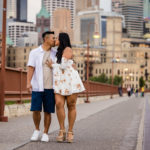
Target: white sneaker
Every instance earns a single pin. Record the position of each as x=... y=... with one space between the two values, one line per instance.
x=35 y=135
x=45 y=138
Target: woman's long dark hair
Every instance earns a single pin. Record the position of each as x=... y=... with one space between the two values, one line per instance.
x=64 y=41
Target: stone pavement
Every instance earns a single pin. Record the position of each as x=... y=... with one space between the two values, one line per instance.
x=115 y=128
x=17 y=131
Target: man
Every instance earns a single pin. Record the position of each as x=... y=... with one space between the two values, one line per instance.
x=39 y=80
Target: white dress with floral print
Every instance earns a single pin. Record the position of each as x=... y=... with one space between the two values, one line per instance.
x=66 y=79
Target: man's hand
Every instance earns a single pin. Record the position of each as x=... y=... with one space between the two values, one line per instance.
x=74 y=66
x=29 y=87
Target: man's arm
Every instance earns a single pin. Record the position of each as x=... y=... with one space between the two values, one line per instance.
x=29 y=77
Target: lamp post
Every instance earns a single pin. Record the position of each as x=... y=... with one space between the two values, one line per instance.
x=2 y=79
x=95 y=36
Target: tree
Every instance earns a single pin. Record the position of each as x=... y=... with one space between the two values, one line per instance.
x=102 y=78
x=141 y=82
x=117 y=80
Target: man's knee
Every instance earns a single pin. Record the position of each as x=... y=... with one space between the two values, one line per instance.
x=36 y=112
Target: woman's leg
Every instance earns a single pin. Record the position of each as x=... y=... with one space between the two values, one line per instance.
x=60 y=102
x=71 y=104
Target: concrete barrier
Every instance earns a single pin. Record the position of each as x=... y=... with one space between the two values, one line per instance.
x=17 y=110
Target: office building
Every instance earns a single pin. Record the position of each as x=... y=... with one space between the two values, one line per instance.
x=16 y=28
x=52 y=5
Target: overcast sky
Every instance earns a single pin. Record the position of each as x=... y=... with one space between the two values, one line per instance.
x=34 y=7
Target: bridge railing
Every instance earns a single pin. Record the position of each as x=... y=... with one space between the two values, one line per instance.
x=16 y=79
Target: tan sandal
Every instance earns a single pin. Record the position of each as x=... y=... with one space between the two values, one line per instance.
x=70 y=137
x=62 y=136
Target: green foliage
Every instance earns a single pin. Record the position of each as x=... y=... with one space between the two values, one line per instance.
x=104 y=79
x=14 y=102
x=141 y=82
x=118 y=80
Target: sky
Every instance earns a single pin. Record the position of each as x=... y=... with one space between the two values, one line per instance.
x=106 y=5
x=34 y=7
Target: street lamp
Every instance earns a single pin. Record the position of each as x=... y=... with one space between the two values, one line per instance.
x=2 y=79
x=95 y=36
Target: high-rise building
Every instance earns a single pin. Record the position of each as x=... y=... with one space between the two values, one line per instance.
x=52 y=5
x=28 y=39
x=147 y=28
x=61 y=21
x=133 y=12
x=80 y=5
x=92 y=3
x=146 y=8
x=117 y=6
x=22 y=10
x=16 y=28
x=11 y=8
x=17 y=57
x=85 y=4
x=42 y=23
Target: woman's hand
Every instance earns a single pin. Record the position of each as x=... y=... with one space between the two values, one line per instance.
x=74 y=66
x=49 y=63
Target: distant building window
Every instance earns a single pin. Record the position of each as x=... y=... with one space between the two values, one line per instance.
x=107 y=71
x=46 y=29
x=96 y=71
x=125 y=55
x=25 y=64
x=110 y=71
x=24 y=57
x=24 y=50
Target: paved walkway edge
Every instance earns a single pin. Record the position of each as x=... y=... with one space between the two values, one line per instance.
x=146 y=140
x=141 y=131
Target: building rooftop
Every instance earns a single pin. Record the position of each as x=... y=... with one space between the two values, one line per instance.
x=43 y=13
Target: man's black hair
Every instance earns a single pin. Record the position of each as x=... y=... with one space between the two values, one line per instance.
x=47 y=33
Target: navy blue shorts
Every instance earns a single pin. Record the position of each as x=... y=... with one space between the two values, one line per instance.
x=46 y=98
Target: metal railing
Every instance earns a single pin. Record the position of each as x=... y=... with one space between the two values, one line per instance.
x=15 y=87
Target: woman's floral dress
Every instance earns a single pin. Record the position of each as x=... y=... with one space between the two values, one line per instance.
x=66 y=79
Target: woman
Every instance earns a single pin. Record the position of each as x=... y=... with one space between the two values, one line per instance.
x=67 y=84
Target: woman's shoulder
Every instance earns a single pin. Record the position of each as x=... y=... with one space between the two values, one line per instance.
x=68 y=49
x=68 y=53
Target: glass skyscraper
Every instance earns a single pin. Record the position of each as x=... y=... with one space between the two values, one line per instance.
x=22 y=10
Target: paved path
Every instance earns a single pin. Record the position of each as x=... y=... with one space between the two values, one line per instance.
x=103 y=125
x=18 y=130
x=115 y=128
